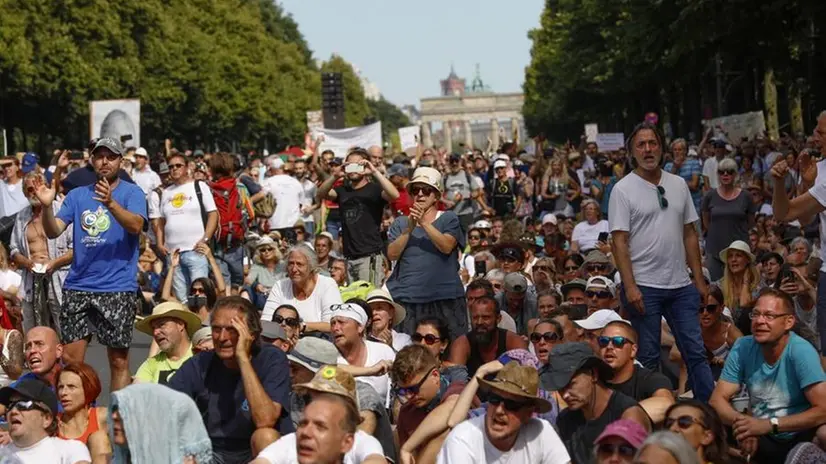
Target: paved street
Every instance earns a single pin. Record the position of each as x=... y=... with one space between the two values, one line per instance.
x=96 y=356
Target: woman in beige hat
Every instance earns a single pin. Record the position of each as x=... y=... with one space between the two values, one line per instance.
x=741 y=281
x=386 y=315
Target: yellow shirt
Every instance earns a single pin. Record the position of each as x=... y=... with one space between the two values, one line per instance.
x=159 y=368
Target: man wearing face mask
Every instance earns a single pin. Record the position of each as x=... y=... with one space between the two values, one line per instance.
x=44 y=262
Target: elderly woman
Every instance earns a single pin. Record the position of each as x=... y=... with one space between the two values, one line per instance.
x=78 y=386
x=586 y=234
x=386 y=315
x=666 y=448
x=265 y=271
x=727 y=214
x=688 y=168
x=425 y=246
x=701 y=427
x=305 y=289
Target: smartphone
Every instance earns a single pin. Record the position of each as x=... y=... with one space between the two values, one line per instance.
x=76 y=155
x=480 y=268
x=603 y=237
x=125 y=138
x=785 y=274
x=353 y=168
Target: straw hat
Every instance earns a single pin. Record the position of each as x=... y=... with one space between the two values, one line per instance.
x=330 y=379
x=381 y=295
x=521 y=381
x=738 y=245
x=173 y=310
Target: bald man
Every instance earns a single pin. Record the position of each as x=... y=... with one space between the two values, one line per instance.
x=377 y=158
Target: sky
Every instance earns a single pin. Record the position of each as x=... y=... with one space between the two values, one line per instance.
x=407 y=47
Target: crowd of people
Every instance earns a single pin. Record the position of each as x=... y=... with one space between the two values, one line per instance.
x=657 y=303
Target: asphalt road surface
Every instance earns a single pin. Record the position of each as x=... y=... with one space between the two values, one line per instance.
x=96 y=357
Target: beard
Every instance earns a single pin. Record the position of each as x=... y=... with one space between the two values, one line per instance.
x=484 y=338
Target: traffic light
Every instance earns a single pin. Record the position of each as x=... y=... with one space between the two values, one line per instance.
x=332 y=100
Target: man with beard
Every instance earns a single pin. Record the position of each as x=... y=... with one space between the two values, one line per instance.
x=307 y=197
x=361 y=204
x=507 y=431
x=99 y=292
x=618 y=348
x=44 y=262
x=172 y=326
x=579 y=376
x=485 y=341
x=517 y=301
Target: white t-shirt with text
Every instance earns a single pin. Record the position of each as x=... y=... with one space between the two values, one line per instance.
x=537 y=443
x=52 y=450
x=181 y=211
x=283 y=450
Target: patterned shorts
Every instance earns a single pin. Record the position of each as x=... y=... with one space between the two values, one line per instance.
x=109 y=315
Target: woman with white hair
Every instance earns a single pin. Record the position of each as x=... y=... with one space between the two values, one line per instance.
x=727 y=215
x=666 y=447
x=585 y=236
x=305 y=289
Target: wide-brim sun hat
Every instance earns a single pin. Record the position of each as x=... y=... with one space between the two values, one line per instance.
x=740 y=246
x=427 y=176
x=517 y=380
x=381 y=295
x=173 y=310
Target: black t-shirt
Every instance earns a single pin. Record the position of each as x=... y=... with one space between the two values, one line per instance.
x=504 y=199
x=361 y=214
x=642 y=384
x=579 y=434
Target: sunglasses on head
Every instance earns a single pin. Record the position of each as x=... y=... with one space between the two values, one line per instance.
x=405 y=393
x=549 y=337
x=725 y=172
x=608 y=449
x=27 y=405
x=290 y=321
x=429 y=339
x=709 y=308
x=683 y=422
x=510 y=405
x=599 y=294
x=617 y=341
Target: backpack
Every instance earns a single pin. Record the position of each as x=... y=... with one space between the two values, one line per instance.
x=233 y=212
x=265 y=207
x=357 y=289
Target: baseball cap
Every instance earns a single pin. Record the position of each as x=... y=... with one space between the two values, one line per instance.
x=602 y=282
x=566 y=360
x=455 y=157
x=29 y=162
x=549 y=219
x=163 y=168
x=312 y=353
x=596 y=257
x=515 y=282
x=201 y=334
x=33 y=389
x=599 y=319
x=575 y=283
x=397 y=170
x=500 y=164
x=481 y=224
x=273 y=331
x=113 y=145
x=198 y=153
x=628 y=430
x=141 y=152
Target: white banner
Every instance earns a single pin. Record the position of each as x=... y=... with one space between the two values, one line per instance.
x=315 y=120
x=341 y=140
x=591 y=131
x=116 y=118
x=409 y=137
x=610 y=141
x=737 y=126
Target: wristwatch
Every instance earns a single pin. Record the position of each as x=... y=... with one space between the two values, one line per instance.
x=775 y=422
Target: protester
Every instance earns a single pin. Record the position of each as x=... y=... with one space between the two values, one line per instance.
x=425 y=246
x=44 y=354
x=546 y=334
x=228 y=246
x=147 y=179
x=152 y=423
x=171 y=326
x=586 y=233
x=273 y=334
x=266 y=270
x=78 y=388
x=386 y=315
x=239 y=375
x=700 y=425
x=619 y=442
x=517 y=301
x=652 y=221
x=12 y=195
x=287 y=192
x=99 y=292
x=666 y=448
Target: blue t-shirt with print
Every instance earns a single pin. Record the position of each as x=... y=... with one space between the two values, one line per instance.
x=105 y=254
x=774 y=390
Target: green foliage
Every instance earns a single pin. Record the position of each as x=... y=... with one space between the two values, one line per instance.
x=391 y=118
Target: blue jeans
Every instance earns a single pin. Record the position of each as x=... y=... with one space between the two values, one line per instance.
x=334 y=228
x=679 y=307
x=309 y=229
x=193 y=265
x=231 y=262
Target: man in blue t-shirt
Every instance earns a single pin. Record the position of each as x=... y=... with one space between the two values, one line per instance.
x=100 y=292
x=241 y=388
x=784 y=379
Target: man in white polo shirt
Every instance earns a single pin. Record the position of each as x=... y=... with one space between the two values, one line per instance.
x=142 y=174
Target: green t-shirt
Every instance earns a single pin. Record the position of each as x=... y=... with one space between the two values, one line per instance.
x=159 y=368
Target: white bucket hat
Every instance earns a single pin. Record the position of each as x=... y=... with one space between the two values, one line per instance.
x=738 y=245
x=380 y=295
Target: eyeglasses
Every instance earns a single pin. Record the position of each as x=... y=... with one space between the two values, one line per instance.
x=109 y=156
x=429 y=339
x=290 y=321
x=176 y=165
x=725 y=172
x=600 y=294
x=549 y=337
x=27 y=405
x=609 y=449
x=661 y=197
x=769 y=316
x=510 y=405
x=617 y=341
x=405 y=393
x=416 y=189
x=712 y=308
x=683 y=422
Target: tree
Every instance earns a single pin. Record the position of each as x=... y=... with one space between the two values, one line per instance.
x=391 y=118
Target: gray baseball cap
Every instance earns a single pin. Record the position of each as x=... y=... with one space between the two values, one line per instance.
x=398 y=170
x=273 y=331
x=312 y=353
x=113 y=145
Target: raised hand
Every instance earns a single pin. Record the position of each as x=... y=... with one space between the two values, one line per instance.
x=806 y=167
x=42 y=191
x=779 y=170
x=103 y=192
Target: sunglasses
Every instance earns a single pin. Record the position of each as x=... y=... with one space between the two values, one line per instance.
x=109 y=157
x=27 y=405
x=197 y=291
x=600 y=294
x=683 y=422
x=176 y=166
x=709 y=309
x=474 y=237
x=571 y=268
x=596 y=267
x=416 y=189
x=725 y=172
x=549 y=337
x=429 y=339
x=405 y=393
x=617 y=341
x=661 y=197
x=609 y=449
x=290 y=321
x=267 y=249
x=510 y=405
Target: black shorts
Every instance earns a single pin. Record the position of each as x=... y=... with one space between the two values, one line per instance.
x=109 y=315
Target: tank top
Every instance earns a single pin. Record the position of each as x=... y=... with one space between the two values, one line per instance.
x=4 y=378
x=91 y=428
x=475 y=360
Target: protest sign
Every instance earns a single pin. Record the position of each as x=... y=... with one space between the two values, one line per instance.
x=315 y=120
x=341 y=140
x=610 y=141
x=409 y=137
x=591 y=131
x=737 y=126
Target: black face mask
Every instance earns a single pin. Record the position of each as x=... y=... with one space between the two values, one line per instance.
x=196 y=301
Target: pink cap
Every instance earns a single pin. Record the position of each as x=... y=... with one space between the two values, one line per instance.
x=628 y=430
